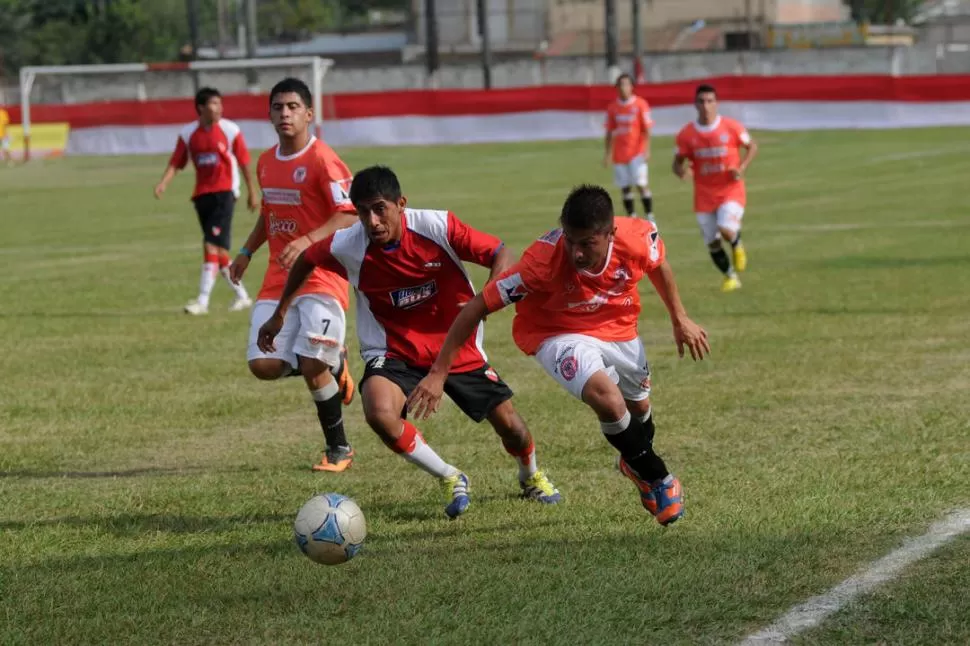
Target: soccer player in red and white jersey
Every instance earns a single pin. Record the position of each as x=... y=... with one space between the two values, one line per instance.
x=577 y=304
x=406 y=268
x=628 y=123
x=712 y=145
x=218 y=151
x=305 y=199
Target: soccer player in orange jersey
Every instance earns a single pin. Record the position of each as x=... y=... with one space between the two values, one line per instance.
x=305 y=199
x=628 y=125
x=218 y=151
x=576 y=311
x=712 y=145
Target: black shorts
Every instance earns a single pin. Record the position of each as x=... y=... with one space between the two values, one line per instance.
x=215 y=217
x=476 y=393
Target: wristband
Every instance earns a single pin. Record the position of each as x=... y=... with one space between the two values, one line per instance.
x=245 y=252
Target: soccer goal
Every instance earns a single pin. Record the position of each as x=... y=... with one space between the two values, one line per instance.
x=143 y=82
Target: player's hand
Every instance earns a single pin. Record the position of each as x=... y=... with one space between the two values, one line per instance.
x=425 y=398
x=253 y=201
x=268 y=332
x=292 y=251
x=685 y=172
x=737 y=173
x=160 y=190
x=238 y=268
x=694 y=337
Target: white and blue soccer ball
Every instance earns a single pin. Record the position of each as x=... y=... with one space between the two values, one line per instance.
x=330 y=528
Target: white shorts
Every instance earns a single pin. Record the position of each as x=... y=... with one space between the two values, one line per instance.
x=314 y=327
x=572 y=359
x=634 y=173
x=728 y=216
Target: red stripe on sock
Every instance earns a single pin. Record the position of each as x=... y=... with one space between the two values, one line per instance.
x=522 y=454
x=212 y=258
x=224 y=260
x=408 y=440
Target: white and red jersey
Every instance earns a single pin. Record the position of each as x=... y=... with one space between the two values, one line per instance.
x=409 y=294
x=216 y=153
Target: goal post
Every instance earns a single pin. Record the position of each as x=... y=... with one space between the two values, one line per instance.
x=317 y=66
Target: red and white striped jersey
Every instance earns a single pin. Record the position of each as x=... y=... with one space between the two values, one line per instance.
x=216 y=153
x=408 y=294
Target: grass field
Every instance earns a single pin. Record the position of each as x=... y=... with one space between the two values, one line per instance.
x=148 y=482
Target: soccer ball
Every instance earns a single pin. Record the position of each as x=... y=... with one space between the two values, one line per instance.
x=330 y=528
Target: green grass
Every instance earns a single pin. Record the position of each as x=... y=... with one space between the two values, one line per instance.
x=148 y=482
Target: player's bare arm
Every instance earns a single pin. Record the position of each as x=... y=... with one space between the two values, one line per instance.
x=256 y=239
x=680 y=167
x=426 y=397
x=502 y=260
x=750 y=152
x=299 y=245
x=301 y=270
x=608 y=153
x=253 y=200
x=162 y=185
x=686 y=333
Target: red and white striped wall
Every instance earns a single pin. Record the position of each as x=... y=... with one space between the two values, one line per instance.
x=532 y=114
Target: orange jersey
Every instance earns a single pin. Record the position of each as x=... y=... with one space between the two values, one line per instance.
x=629 y=122
x=714 y=151
x=552 y=297
x=301 y=192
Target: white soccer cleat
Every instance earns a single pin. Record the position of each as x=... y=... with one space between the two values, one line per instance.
x=195 y=308
x=241 y=304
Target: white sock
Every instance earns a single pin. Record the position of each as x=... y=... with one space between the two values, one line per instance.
x=416 y=451
x=206 y=281
x=527 y=463
x=240 y=290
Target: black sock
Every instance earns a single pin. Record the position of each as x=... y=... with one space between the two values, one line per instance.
x=330 y=413
x=736 y=241
x=635 y=445
x=721 y=261
x=647 y=204
x=628 y=205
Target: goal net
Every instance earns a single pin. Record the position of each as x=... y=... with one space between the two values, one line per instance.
x=138 y=108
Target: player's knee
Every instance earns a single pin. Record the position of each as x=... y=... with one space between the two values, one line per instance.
x=506 y=421
x=268 y=369
x=639 y=408
x=727 y=234
x=383 y=420
x=316 y=372
x=604 y=397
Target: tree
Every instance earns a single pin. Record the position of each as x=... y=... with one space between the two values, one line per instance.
x=881 y=12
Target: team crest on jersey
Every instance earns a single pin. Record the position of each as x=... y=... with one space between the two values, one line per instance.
x=621 y=274
x=299 y=175
x=216 y=230
x=409 y=297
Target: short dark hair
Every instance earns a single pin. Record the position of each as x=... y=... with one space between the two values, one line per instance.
x=588 y=207
x=203 y=95
x=704 y=88
x=294 y=85
x=622 y=77
x=375 y=182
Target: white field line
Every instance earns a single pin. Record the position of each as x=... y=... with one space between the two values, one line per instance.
x=811 y=613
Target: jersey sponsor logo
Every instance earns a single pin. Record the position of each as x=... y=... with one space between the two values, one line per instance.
x=432 y=265
x=552 y=237
x=283 y=196
x=340 y=191
x=299 y=175
x=409 y=297
x=711 y=153
x=277 y=226
x=207 y=159
x=511 y=289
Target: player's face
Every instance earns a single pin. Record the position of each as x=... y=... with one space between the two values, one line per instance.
x=706 y=104
x=212 y=110
x=587 y=248
x=381 y=219
x=625 y=89
x=290 y=116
